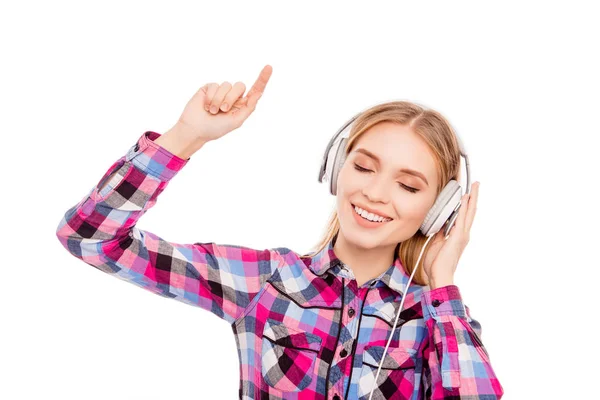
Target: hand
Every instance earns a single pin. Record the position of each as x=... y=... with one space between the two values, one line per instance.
x=216 y=110
x=442 y=255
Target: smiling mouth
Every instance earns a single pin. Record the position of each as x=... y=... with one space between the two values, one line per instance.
x=387 y=219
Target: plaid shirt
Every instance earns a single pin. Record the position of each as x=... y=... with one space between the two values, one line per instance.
x=304 y=329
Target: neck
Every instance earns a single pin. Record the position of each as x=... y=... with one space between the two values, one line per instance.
x=365 y=264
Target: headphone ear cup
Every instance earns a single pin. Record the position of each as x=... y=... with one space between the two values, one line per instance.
x=445 y=205
x=339 y=156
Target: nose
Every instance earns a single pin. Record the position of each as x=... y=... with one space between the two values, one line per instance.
x=376 y=190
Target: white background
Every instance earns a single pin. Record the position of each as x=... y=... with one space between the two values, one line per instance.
x=81 y=81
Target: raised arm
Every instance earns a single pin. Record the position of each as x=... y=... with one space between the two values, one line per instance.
x=101 y=228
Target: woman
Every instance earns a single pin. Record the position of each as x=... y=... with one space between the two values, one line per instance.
x=310 y=326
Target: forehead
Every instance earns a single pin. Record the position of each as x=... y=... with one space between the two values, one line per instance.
x=397 y=146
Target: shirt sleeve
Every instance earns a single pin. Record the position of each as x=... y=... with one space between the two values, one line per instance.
x=101 y=231
x=456 y=362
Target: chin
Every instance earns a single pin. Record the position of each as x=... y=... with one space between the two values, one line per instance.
x=364 y=238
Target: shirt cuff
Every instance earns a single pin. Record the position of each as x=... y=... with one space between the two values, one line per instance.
x=445 y=300
x=154 y=159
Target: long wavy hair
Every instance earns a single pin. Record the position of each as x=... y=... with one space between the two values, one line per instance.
x=439 y=135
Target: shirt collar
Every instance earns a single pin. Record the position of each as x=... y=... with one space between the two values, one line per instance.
x=395 y=277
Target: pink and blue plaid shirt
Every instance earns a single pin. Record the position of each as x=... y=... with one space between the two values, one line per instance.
x=304 y=329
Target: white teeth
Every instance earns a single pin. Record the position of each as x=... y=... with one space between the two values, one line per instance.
x=370 y=216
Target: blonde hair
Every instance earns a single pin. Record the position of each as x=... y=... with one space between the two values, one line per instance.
x=439 y=135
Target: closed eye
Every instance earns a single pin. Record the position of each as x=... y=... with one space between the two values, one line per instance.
x=361 y=169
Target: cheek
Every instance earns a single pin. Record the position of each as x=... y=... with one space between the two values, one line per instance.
x=410 y=209
x=347 y=183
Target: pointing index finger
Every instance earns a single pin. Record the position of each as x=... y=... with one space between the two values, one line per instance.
x=261 y=81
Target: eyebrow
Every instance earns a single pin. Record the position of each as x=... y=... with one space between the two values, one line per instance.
x=405 y=170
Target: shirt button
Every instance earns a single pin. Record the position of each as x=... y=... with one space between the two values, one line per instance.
x=336 y=397
x=351 y=312
x=343 y=353
x=436 y=302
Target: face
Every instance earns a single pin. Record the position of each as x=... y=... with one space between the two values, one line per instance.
x=385 y=187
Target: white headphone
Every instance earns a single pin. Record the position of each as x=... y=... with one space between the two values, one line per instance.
x=444 y=209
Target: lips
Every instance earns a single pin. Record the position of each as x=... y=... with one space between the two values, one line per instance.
x=371 y=211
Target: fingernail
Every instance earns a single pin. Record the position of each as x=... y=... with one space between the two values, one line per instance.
x=213 y=109
x=224 y=106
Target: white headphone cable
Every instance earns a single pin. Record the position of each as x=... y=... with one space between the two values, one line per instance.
x=398 y=315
